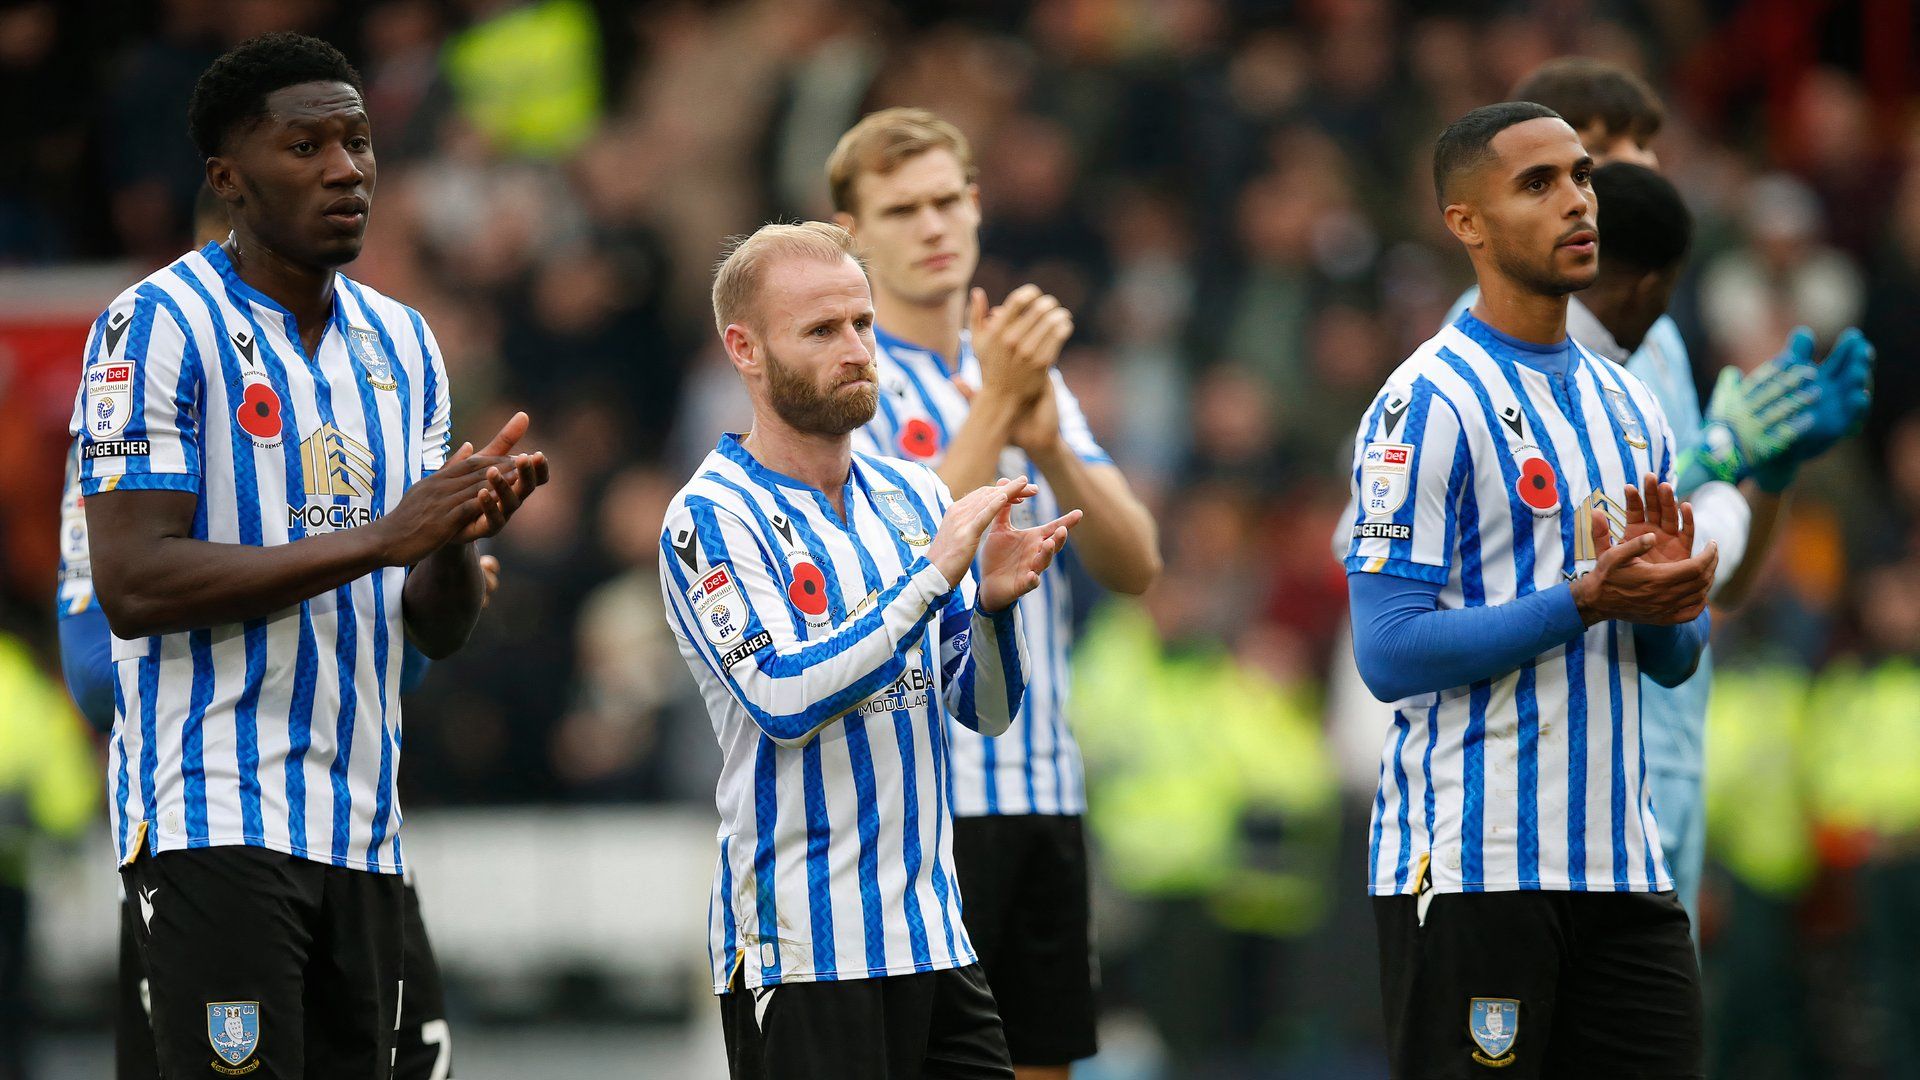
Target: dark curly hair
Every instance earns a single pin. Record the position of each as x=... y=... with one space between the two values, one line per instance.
x=233 y=92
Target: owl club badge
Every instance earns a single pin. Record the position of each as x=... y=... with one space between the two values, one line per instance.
x=1386 y=471
x=365 y=347
x=1494 y=1024
x=233 y=1027
x=1631 y=428
x=898 y=513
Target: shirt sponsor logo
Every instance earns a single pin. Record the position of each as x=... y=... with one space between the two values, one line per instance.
x=908 y=693
x=334 y=465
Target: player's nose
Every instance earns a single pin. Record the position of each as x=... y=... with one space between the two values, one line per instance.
x=340 y=168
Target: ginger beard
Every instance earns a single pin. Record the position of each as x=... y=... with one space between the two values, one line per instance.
x=836 y=411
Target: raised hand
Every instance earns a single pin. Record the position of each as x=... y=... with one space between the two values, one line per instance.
x=441 y=508
x=1018 y=341
x=1650 y=576
x=1012 y=560
x=1753 y=420
x=968 y=519
x=1654 y=510
x=509 y=484
x=1844 y=389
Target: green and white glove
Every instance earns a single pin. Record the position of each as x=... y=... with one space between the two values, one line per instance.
x=1752 y=421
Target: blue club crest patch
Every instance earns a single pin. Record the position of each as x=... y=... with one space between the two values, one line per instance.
x=899 y=513
x=365 y=347
x=1630 y=426
x=1494 y=1023
x=233 y=1027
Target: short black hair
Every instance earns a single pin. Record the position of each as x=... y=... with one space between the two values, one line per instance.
x=1644 y=224
x=232 y=93
x=1468 y=141
x=1586 y=91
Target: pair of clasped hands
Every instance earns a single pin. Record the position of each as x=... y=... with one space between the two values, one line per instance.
x=470 y=498
x=1011 y=560
x=1652 y=575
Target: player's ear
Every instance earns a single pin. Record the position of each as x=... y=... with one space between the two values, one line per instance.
x=223 y=180
x=1464 y=224
x=743 y=352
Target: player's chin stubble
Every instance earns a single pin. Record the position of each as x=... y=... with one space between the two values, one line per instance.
x=798 y=402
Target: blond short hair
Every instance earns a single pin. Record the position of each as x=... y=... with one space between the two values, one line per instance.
x=881 y=141
x=737 y=277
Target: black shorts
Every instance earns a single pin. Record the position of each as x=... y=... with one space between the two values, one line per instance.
x=940 y=1025
x=266 y=965
x=1023 y=879
x=1540 y=984
x=424 y=1049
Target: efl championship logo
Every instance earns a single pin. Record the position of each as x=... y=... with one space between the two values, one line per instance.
x=233 y=1027
x=894 y=507
x=1385 y=473
x=365 y=347
x=109 y=399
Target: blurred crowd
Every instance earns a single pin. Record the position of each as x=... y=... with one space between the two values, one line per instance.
x=1233 y=197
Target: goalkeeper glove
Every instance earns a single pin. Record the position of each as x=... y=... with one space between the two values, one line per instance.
x=1752 y=421
x=1845 y=391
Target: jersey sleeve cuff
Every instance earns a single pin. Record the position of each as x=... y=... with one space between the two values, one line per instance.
x=147 y=481
x=1406 y=568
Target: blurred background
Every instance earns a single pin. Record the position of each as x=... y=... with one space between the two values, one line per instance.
x=1233 y=198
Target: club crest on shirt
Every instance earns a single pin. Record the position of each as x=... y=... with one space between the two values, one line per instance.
x=233 y=1027
x=1631 y=428
x=1494 y=1024
x=893 y=506
x=1386 y=471
x=365 y=346
x=109 y=402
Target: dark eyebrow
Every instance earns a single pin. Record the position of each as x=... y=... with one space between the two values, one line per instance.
x=1585 y=162
x=1537 y=172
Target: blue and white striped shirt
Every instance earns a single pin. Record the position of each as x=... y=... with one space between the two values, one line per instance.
x=831 y=654
x=282 y=732
x=1035 y=768
x=1475 y=470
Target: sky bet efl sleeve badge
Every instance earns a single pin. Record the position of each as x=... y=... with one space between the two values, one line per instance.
x=721 y=611
x=109 y=399
x=1386 y=470
x=365 y=347
x=233 y=1027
